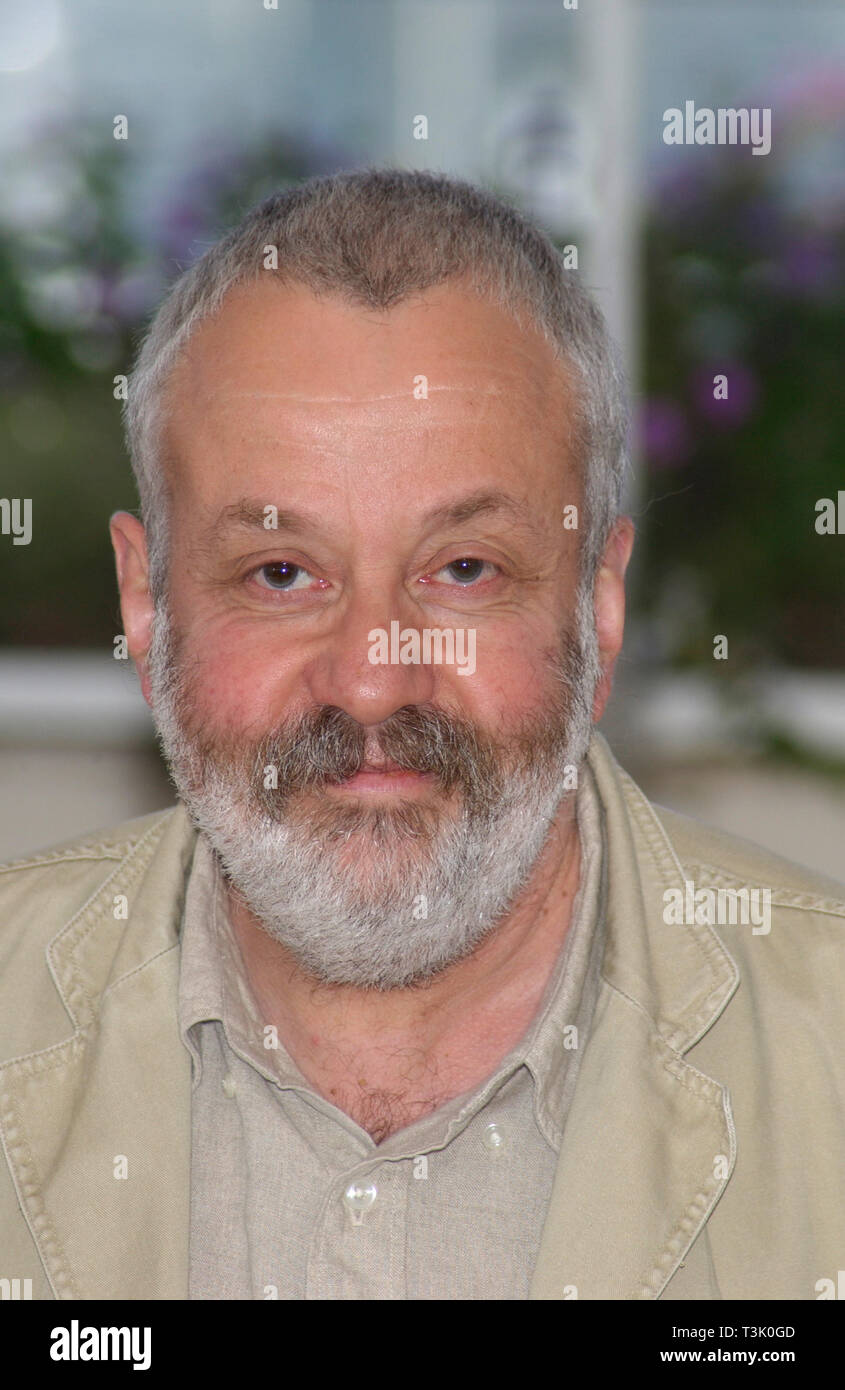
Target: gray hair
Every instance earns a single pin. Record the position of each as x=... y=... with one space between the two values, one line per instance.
x=375 y=236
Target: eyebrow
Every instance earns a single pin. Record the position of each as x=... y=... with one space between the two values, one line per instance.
x=479 y=503
x=250 y=514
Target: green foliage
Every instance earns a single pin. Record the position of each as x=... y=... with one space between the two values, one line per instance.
x=739 y=282
x=75 y=293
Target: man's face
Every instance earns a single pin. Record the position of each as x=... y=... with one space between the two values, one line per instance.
x=419 y=463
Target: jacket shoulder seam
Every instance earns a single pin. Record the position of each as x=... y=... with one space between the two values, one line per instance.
x=83 y=850
x=781 y=897
x=46 y=861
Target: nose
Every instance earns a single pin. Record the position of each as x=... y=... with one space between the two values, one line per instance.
x=350 y=670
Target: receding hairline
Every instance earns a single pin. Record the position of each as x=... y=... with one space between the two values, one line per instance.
x=564 y=367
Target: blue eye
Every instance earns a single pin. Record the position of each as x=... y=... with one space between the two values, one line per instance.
x=465 y=570
x=281 y=574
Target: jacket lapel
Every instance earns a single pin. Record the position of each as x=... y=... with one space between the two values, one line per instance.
x=98 y=1128
x=649 y=1144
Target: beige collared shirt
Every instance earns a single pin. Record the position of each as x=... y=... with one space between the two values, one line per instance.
x=291 y=1199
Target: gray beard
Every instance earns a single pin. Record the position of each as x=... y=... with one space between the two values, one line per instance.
x=378 y=897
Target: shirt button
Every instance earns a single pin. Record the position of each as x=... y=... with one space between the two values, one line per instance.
x=359 y=1197
x=229 y=1086
x=494 y=1138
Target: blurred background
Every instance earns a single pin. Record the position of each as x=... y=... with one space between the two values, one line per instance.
x=708 y=261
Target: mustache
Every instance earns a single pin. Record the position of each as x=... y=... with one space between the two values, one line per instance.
x=327 y=745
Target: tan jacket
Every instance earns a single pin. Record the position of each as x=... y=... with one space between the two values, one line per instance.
x=704 y=1155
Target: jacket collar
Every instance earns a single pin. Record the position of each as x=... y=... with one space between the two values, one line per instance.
x=636 y=1178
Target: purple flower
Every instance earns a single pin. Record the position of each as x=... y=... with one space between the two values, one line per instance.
x=709 y=388
x=760 y=221
x=810 y=264
x=814 y=90
x=682 y=189
x=663 y=432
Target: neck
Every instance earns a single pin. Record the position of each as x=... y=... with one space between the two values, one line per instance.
x=388 y=1057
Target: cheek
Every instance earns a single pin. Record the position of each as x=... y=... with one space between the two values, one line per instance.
x=513 y=679
x=239 y=680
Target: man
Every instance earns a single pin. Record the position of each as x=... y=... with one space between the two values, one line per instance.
x=413 y=995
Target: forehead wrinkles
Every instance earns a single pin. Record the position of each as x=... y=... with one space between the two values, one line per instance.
x=316 y=429
x=299 y=410
x=309 y=398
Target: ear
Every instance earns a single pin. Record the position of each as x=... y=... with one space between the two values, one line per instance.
x=609 y=606
x=136 y=603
